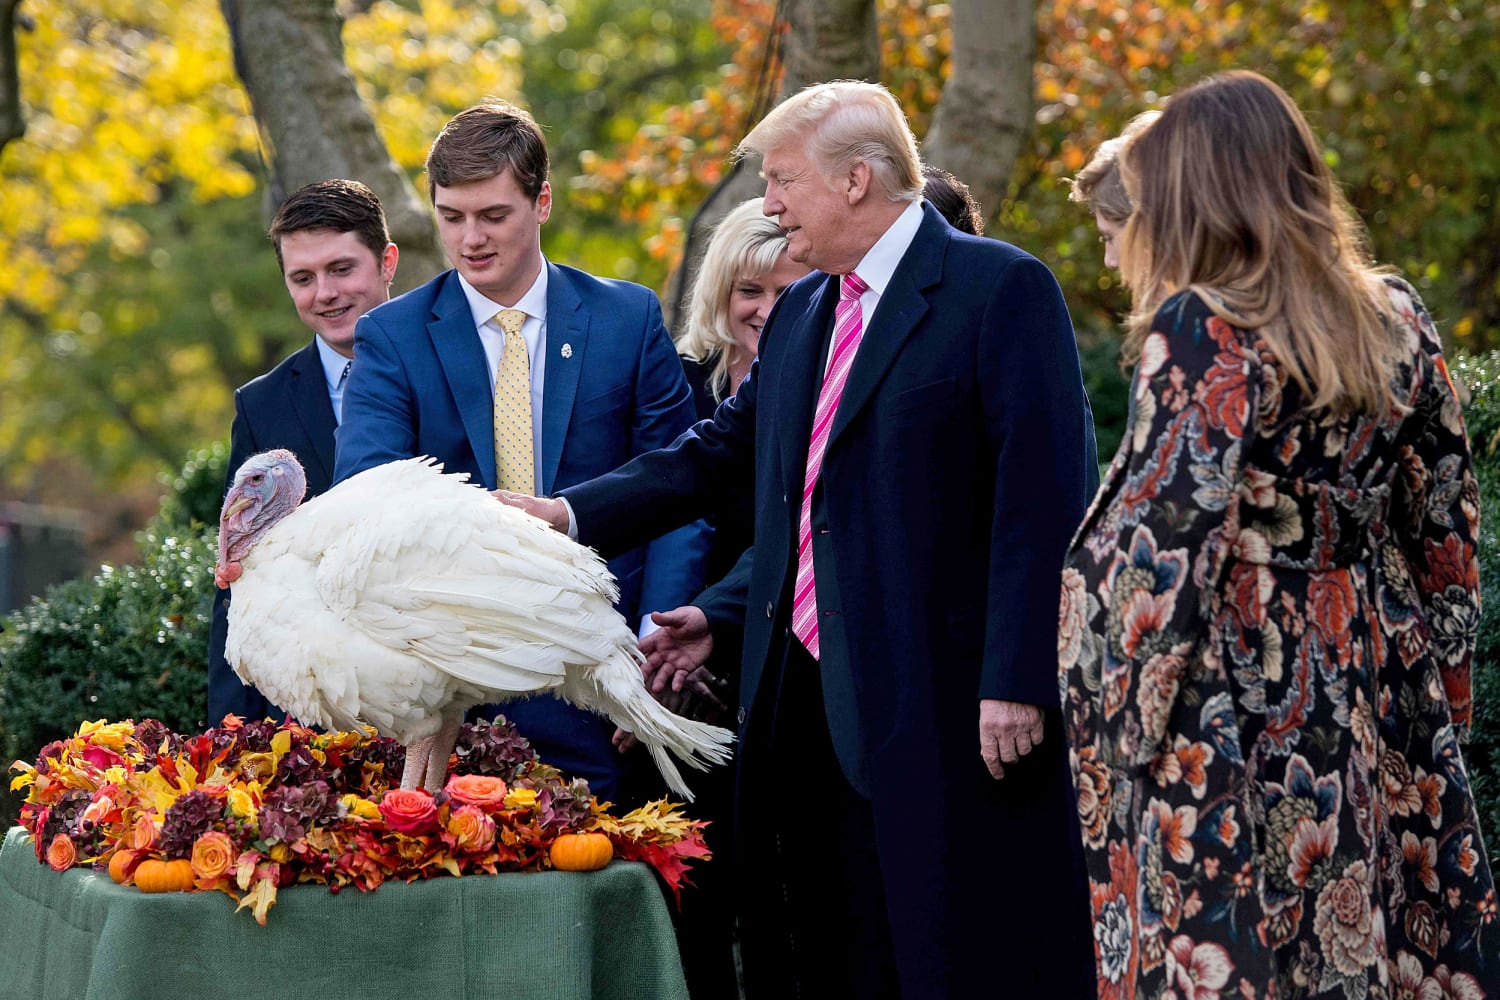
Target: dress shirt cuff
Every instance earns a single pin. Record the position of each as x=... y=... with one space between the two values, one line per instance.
x=572 y=522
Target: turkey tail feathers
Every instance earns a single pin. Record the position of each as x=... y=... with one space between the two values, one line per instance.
x=619 y=694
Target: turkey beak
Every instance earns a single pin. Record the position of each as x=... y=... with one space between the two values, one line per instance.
x=233 y=508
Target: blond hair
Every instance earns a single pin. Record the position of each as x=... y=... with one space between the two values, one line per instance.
x=745 y=245
x=1098 y=186
x=1234 y=201
x=841 y=124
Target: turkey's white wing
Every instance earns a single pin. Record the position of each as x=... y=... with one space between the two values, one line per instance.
x=424 y=564
x=310 y=661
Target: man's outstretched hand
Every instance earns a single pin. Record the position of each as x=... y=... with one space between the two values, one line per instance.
x=548 y=509
x=677 y=649
x=674 y=670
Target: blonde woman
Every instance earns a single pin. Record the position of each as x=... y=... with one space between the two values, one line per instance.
x=743 y=271
x=1098 y=187
x=1269 y=612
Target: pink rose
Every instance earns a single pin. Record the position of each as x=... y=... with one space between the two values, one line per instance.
x=410 y=811
x=477 y=790
x=143 y=832
x=97 y=809
x=102 y=757
x=471 y=829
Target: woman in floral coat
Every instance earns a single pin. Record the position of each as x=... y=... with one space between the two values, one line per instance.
x=1269 y=613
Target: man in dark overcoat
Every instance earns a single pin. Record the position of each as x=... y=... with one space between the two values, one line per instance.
x=915 y=433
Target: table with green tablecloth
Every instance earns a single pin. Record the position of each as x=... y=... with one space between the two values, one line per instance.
x=76 y=935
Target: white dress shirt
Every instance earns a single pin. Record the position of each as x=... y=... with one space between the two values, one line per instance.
x=533 y=331
x=878 y=265
x=335 y=365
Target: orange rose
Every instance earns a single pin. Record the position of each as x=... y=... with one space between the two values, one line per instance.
x=213 y=855
x=408 y=811
x=477 y=790
x=61 y=853
x=471 y=829
x=143 y=833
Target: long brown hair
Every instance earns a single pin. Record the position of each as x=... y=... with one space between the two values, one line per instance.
x=1235 y=202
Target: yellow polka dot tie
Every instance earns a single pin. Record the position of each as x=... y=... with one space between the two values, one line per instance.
x=515 y=468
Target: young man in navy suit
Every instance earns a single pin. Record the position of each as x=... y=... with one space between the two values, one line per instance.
x=338 y=260
x=571 y=374
x=916 y=435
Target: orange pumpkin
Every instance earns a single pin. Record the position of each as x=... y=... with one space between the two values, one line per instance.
x=164 y=876
x=122 y=865
x=581 y=852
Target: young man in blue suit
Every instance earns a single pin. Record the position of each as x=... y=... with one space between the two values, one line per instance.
x=916 y=434
x=338 y=260
x=571 y=374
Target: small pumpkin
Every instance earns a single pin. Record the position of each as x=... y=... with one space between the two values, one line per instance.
x=164 y=876
x=581 y=852
x=122 y=865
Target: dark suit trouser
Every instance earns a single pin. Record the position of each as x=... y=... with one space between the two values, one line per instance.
x=705 y=919
x=813 y=923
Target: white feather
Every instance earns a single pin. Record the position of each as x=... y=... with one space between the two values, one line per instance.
x=402 y=596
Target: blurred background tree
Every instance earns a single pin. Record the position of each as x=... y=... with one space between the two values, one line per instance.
x=137 y=292
x=136 y=179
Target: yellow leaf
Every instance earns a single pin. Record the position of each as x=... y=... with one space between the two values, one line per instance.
x=261 y=898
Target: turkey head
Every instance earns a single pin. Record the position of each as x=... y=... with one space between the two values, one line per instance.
x=267 y=488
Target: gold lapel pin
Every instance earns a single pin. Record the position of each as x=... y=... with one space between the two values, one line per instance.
x=567 y=350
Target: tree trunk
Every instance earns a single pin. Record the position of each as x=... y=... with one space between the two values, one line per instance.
x=986 y=107
x=824 y=40
x=829 y=40
x=12 y=122
x=290 y=55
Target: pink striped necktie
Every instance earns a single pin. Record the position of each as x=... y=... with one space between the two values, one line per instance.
x=847 y=331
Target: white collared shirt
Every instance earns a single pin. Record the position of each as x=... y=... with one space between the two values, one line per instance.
x=334 y=364
x=878 y=265
x=533 y=331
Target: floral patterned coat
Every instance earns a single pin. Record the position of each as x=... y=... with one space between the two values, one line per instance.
x=1266 y=629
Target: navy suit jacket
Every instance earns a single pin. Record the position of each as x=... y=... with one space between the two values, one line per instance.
x=954 y=476
x=287 y=407
x=614 y=388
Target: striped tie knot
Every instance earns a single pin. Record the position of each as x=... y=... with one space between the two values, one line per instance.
x=852 y=286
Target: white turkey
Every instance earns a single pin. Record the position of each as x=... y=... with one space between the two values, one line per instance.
x=402 y=597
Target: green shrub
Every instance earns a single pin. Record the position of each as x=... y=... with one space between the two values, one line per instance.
x=131 y=642
x=1481 y=376
x=1109 y=392
x=195 y=494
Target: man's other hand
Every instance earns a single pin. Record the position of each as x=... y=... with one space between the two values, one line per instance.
x=1007 y=732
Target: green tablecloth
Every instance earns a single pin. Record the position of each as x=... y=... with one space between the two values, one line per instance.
x=76 y=935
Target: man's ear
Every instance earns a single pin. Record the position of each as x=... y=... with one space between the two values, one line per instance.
x=857 y=182
x=544 y=202
x=388 y=263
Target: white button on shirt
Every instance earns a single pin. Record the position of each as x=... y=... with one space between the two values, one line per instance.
x=533 y=331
